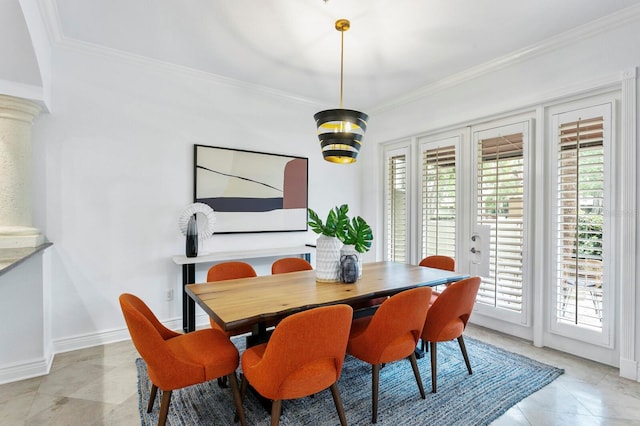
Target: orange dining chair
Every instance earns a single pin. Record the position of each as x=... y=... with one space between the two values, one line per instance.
x=290 y=264
x=304 y=356
x=229 y=271
x=390 y=334
x=439 y=262
x=177 y=360
x=447 y=318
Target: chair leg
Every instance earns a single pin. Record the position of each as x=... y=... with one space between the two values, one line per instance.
x=336 y=399
x=416 y=373
x=375 y=378
x=222 y=382
x=164 y=407
x=152 y=397
x=434 y=364
x=244 y=384
x=237 y=399
x=463 y=348
x=276 y=406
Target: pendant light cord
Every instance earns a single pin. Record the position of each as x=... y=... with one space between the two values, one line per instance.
x=341 y=64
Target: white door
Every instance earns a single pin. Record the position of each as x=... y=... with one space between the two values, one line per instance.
x=499 y=152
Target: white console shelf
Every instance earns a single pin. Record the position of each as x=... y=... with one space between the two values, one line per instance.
x=243 y=254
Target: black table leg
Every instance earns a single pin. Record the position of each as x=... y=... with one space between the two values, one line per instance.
x=188 y=304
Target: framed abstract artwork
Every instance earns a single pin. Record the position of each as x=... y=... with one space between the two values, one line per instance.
x=252 y=191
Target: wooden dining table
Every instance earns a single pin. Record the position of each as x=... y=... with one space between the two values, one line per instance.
x=259 y=302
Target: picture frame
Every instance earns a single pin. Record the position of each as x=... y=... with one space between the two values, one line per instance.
x=252 y=191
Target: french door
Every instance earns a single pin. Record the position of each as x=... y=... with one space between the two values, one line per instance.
x=498 y=215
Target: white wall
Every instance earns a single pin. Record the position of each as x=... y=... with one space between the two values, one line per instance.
x=23 y=350
x=561 y=68
x=114 y=169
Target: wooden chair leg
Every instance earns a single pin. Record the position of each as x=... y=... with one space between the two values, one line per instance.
x=463 y=348
x=434 y=364
x=276 y=406
x=416 y=373
x=164 y=407
x=244 y=384
x=375 y=378
x=152 y=397
x=338 y=402
x=222 y=382
x=237 y=399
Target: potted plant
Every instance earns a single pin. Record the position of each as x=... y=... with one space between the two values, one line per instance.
x=338 y=230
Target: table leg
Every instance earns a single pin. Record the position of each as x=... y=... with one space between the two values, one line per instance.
x=188 y=304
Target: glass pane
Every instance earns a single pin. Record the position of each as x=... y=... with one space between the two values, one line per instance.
x=396 y=209
x=439 y=201
x=580 y=223
x=500 y=206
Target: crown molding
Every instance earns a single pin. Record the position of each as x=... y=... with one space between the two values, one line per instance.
x=156 y=65
x=591 y=29
x=58 y=39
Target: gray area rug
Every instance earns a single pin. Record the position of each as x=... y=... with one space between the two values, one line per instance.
x=500 y=379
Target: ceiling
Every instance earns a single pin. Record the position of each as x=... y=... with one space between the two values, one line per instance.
x=394 y=47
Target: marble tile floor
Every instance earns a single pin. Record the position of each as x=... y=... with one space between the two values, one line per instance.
x=97 y=386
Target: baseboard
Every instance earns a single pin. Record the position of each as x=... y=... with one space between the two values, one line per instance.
x=25 y=370
x=629 y=369
x=113 y=336
x=41 y=367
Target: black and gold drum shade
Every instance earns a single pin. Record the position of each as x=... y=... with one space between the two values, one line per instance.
x=340 y=132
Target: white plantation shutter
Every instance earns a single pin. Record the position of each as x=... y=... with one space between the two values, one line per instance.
x=396 y=206
x=439 y=201
x=579 y=223
x=500 y=183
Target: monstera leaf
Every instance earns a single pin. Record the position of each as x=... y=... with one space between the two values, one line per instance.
x=334 y=226
x=358 y=234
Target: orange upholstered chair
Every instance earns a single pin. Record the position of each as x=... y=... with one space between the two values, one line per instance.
x=304 y=356
x=177 y=360
x=447 y=318
x=229 y=271
x=390 y=334
x=290 y=264
x=439 y=262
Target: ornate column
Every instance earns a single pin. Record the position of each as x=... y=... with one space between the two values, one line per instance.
x=16 y=117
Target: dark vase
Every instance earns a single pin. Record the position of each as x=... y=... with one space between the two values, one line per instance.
x=348 y=268
x=192 y=237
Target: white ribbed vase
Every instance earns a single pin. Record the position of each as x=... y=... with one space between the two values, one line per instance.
x=328 y=259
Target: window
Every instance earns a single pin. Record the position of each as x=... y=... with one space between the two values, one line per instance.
x=439 y=198
x=580 y=233
x=396 y=205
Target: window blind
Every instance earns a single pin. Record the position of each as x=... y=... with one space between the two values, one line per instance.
x=500 y=183
x=396 y=208
x=439 y=201
x=580 y=201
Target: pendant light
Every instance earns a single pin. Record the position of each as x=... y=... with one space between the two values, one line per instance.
x=341 y=130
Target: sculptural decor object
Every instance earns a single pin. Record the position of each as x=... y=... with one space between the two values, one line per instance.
x=188 y=224
x=191 y=249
